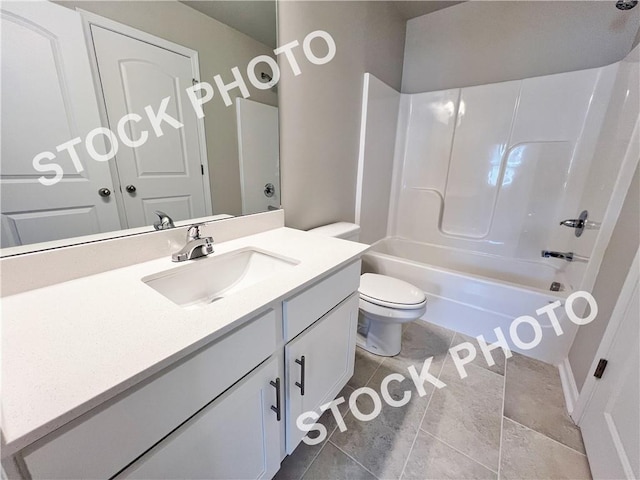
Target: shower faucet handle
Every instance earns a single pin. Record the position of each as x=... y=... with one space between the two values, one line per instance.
x=573 y=223
x=580 y=223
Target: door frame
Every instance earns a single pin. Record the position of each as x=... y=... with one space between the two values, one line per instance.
x=90 y=18
x=591 y=383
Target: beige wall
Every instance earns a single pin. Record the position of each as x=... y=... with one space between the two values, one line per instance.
x=613 y=271
x=481 y=42
x=219 y=49
x=320 y=108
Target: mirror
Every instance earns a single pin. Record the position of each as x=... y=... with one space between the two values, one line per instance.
x=113 y=111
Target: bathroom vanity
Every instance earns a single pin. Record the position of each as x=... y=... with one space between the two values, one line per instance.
x=196 y=369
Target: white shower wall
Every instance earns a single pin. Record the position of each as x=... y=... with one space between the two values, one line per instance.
x=494 y=168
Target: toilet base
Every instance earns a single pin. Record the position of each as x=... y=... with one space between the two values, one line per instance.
x=384 y=339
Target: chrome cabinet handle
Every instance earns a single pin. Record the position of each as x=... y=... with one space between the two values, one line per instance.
x=277 y=408
x=104 y=192
x=300 y=384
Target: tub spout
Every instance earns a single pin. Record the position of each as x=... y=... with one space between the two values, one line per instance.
x=568 y=256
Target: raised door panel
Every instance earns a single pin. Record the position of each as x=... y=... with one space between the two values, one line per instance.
x=235 y=437
x=48 y=99
x=328 y=348
x=166 y=169
x=610 y=424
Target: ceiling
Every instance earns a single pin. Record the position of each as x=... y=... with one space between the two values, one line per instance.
x=255 y=18
x=416 y=8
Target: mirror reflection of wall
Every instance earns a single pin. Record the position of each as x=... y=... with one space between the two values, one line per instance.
x=92 y=63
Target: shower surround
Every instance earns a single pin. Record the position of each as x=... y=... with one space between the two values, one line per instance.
x=480 y=179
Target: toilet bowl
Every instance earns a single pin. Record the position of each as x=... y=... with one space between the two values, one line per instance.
x=385 y=302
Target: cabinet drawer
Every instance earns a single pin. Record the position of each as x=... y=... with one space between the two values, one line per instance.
x=105 y=441
x=308 y=306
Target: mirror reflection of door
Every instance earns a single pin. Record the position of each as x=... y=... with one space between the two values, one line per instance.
x=70 y=67
x=166 y=173
x=259 y=156
x=46 y=101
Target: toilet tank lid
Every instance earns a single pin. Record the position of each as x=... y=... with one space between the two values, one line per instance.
x=338 y=230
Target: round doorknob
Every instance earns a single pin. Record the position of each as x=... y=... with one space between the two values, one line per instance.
x=130 y=188
x=104 y=192
x=269 y=190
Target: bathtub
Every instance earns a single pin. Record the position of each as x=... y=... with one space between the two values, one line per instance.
x=475 y=293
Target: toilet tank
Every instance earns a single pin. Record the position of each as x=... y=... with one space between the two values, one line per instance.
x=344 y=230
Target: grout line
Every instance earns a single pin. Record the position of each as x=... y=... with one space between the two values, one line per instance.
x=329 y=434
x=314 y=457
x=365 y=468
x=426 y=408
x=504 y=395
x=459 y=451
x=546 y=436
x=374 y=372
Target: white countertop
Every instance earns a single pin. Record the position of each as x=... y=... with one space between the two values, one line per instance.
x=69 y=347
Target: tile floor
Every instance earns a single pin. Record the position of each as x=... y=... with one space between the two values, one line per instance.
x=504 y=421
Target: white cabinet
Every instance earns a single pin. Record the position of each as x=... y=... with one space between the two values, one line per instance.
x=319 y=362
x=237 y=436
x=227 y=411
x=114 y=435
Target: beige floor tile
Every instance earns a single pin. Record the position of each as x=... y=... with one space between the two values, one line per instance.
x=467 y=413
x=365 y=365
x=294 y=465
x=421 y=340
x=433 y=459
x=383 y=444
x=335 y=465
x=497 y=354
x=534 y=398
x=527 y=454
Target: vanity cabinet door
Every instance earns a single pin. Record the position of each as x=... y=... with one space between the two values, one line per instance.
x=238 y=436
x=319 y=362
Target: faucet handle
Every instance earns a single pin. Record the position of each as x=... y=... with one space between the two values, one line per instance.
x=194 y=231
x=164 y=221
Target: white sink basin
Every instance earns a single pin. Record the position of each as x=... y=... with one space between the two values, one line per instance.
x=206 y=280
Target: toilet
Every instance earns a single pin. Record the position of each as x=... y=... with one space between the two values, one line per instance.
x=385 y=302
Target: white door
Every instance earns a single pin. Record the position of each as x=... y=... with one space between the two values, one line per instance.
x=259 y=156
x=319 y=362
x=612 y=417
x=236 y=437
x=165 y=173
x=48 y=98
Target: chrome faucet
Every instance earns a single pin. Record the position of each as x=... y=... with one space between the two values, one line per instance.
x=164 y=221
x=196 y=246
x=568 y=256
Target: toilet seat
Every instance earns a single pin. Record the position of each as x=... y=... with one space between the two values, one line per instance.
x=390 y=292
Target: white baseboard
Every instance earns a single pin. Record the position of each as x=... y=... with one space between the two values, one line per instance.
x=569 y=387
